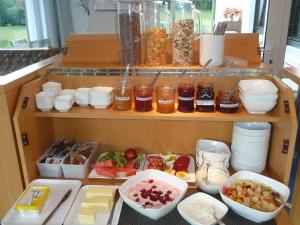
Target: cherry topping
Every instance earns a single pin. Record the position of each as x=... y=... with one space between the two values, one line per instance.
x=150 y=181
x=137 y=200
x=153 y=186
x=135 y=195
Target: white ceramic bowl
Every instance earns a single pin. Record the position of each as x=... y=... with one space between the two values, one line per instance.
x=242 y=138
x=261 y=163
x=259 y=108
x=211 y=149
x=249 y=150
x=258 y=86
x=256 y=169
x=245 y=155
x=157 y=175
x=258 y=96
x=252 y=214
x=252 y=129
x=239 y=144
x=220 y=208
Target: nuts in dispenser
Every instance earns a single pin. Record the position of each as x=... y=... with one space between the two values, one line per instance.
x=183 y=40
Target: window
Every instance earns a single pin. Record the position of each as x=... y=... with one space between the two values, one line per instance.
x=13 y=31
x=294 y=27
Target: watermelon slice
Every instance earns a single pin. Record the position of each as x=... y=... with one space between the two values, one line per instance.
x=106 y=171
x=106 y=163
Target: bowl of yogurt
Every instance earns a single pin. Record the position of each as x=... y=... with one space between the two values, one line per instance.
x=153 y=193
x=199 y=208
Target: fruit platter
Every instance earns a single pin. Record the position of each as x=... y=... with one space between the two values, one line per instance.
x=118 y=165
x=181 y=166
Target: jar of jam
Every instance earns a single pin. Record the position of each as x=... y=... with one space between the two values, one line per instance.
x=165 y=99
x=186 y=92
x=227 y=102
x=143 y=95
x=205 y=100
x=123 y=101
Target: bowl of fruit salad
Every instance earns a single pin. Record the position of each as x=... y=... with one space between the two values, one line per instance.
x=153 y=193
x=254 y=196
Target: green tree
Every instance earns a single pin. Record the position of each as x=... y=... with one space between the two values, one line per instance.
x=204 y=4
x=15 y=15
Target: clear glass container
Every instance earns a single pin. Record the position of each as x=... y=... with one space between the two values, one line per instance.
x=143 y=97
x=123 y=101
x=165 y=99
x=205 y=98
x=130 y=31
x=156 y=26
x=186 y=92
x=227 y=101
x=212 y=174
x=184 y=16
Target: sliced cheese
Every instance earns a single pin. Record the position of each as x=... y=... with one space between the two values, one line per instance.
x=101 y=203
x=96 y=191
x=87 y=215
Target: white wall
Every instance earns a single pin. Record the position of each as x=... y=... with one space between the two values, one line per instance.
x=80 y=20
x=247 y=6
x=103 y=22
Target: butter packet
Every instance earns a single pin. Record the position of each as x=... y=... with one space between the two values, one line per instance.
x=33 y=199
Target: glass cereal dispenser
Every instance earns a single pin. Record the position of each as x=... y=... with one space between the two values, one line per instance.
x=156 y=24
x=130 y=31
x=185 y=16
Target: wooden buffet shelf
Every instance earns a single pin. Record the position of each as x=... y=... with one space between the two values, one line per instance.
x=91 y=113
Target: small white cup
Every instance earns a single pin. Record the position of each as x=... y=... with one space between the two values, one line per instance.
x=211 y=47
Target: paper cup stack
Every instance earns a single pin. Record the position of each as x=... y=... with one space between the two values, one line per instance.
x=258 y=96
x=52 y=87
x=82 y=96
x=63 y=103
x=68 y=92
x=101 y=97
x=250 y=144
x=45 y=100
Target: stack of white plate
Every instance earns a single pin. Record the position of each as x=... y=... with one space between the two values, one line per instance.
x=101 y=97
x=63 y=103
x=69 y=92
x=53 y=87
x=82 y=96
x=45 y=100
x=258 y=96
x=250 y=144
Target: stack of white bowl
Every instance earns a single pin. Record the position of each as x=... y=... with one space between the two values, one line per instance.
x=52 y=87
x=45 y=100
x=63 y=103
x=82 y=96
x=101 y=97
x=258 y=96
x=250 y=144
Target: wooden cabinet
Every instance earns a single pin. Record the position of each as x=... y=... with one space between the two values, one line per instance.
x=150 y=131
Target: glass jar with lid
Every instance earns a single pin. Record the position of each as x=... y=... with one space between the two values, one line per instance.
x=227 y=101
x=186 y=92
x=123 y=98
x=185 y=16
x=156 y=25
x=165 y=99
x=212 y=174
x=205 y=99
x=143 y=97
x=130 y=31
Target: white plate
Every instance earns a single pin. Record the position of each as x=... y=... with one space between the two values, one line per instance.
x=221 y=208
x=95 y=175
x=191 y=168
x=57 y=190
x=72 y=217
